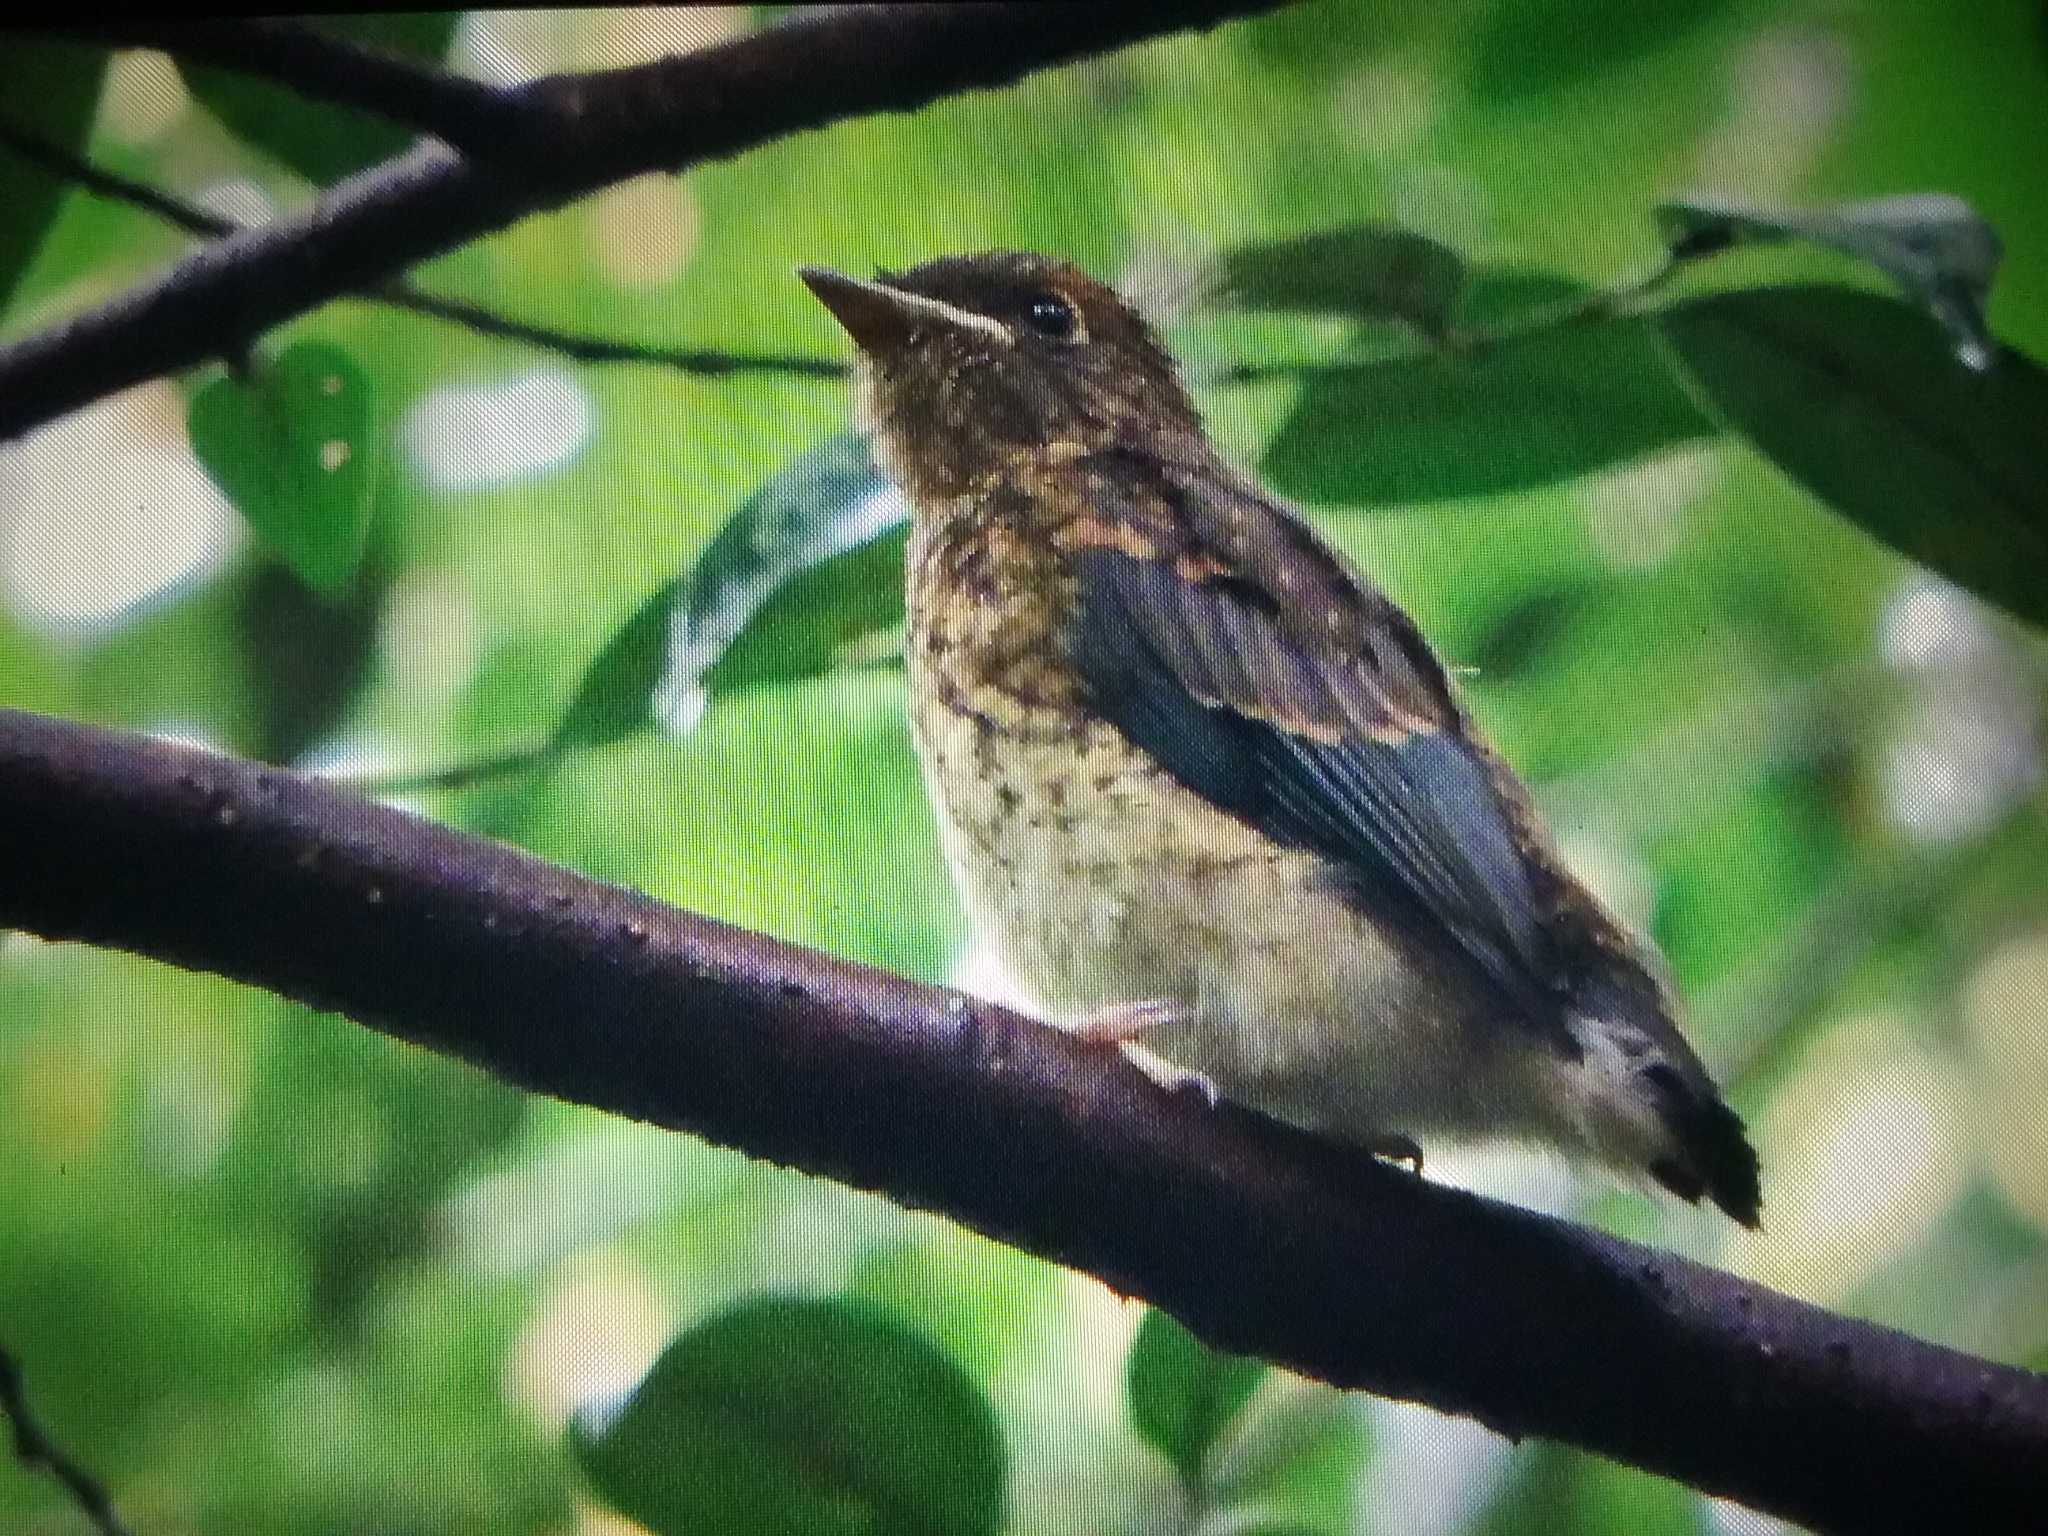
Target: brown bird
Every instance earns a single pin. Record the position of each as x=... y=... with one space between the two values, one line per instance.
x=1206 y=787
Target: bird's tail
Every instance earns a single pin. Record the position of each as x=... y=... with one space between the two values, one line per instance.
x=1714 y=1157
x=1624 y=1013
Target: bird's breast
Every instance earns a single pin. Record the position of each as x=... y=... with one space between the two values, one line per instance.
x=1099 y=879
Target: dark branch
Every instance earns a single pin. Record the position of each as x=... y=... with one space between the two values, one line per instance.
x=33 y=1448
x=474 y=117
x=701 y=362
x=1263 y=1241
x=667 y=115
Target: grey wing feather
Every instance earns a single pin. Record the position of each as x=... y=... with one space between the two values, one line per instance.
x=1318 y=749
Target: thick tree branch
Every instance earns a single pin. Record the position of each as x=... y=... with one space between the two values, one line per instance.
x=1263 y=1241
x=667 y=115
x=34 y=1448
x=470 y=115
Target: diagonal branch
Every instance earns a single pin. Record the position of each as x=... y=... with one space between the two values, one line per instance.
x=34 y=1448
x=472 y=116
x=1264 y=1241
x=702 y=362
x=668 y=115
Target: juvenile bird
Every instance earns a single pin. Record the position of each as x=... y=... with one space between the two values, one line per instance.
x=1206 y=788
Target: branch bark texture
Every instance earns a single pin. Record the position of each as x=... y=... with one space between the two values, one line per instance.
x=605 y=126
x=1262 y=1241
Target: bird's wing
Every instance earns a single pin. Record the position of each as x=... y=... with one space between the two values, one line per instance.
x=1224 y=639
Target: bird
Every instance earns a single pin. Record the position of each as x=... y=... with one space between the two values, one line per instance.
x=1207 y=790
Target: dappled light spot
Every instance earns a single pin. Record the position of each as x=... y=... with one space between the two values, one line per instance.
x=144 y=96
x=188 y=1110
x=1429 y=1474
x=1788 y=87
x=1384 y=109
x=61 y=1099
x=640 y=233
x=592 y=1334
x=1732 y=1519
x=471 y=437
x=1930 y=622
x=1637 y=514
x=1615 y=873
x=429 y=639
x=239 y=200
x=2009 y=1060
x=1966 y=749
x=77 y=558
x=1864 y=1149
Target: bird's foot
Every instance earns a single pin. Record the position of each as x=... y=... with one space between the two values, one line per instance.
x=1122 y=1024
x=1170 y=1077
x=1396 y=1148
x=1116 y=1023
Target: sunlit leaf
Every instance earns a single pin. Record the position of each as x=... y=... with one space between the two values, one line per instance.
x=1856 y=397
x=1535 y=406
x=48 y=91
x=1295 y=1466
x=294 y=448
x=809 y=566
x=1941 y=252
x=1365 y=271
x=787 y=1417
x=1183 y=1394
x=322 y=142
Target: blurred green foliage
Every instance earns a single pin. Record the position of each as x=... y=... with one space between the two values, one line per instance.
x=265 y=1270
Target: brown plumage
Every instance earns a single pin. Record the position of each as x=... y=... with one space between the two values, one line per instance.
x=1200 y=780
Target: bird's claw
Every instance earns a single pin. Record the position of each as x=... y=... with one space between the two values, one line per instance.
x=1170 y=1077
x=1117 y=1023
x=1396 y=1148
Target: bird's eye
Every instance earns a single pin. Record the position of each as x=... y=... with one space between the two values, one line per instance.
x=1050 y=315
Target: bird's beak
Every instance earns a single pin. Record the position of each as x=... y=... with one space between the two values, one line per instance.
x=882 y=319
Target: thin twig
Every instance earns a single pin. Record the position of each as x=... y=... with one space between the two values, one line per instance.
x=34 y=1449
x=462 y=775
x=700 y=362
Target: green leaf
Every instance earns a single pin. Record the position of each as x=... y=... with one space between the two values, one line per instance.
x=1855 y=397
x=1537 y=45
x=320 y=141
x=786 y=1417
x=1530 y=630
x=1941 y=252
x=811 y=563
x=294 y=449
x=50 y=91
x=616 y=698
x=1297 y=1465
x=1367 y=271
x=1183 y=1394
x=1528 y=409
x=810 y=566
x=308 y=657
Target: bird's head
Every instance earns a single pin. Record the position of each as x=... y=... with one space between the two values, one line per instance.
x=968 y=361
